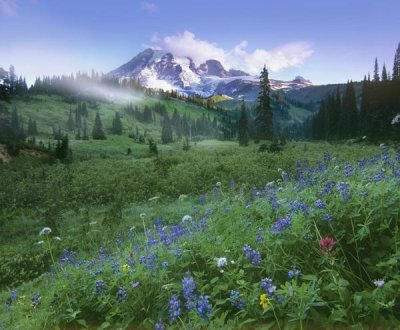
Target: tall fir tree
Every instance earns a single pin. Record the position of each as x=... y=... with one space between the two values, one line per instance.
x=396 y=65
x=97 y=132
x=117 y=124
x=264 y=115
x=243 y=129
x=384 y=73
x=376 y=71
x=166 y=132
x=70 y=122
x=349 y=113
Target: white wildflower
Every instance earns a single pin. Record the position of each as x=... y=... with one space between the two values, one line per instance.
x=40 y=242
x=379 y=283
x=57 y=238
x=182 y=197
x=45 y=230
x=396 y=119
x=232 y=262
x=218 y=184
x=221 y=262
x=186 y=218
x=142 y=215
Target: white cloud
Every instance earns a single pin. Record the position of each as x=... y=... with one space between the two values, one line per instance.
x=277 y=59
x=149 y=7
x=8 y=7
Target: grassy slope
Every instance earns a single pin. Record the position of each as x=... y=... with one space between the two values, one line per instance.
x=51 y=111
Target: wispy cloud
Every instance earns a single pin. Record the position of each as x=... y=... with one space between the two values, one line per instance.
x=149 y=7
x=8 y=7
x=285 y=56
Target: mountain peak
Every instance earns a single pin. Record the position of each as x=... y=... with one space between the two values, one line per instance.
x=158 y=68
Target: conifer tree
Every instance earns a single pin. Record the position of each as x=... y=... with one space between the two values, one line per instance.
x=376 y=71
x=85 y=130
x=384 y=73
x=243 y=129
x=166 y=133
x=264 y=116
x=70 y=121
x=117 y=124
x=396 y=65
x=97 y=132
x=349 y=113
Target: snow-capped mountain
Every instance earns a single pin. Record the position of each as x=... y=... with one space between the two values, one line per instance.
x=162 y=69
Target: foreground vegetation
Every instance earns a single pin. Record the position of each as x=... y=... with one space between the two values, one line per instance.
x=138 y=241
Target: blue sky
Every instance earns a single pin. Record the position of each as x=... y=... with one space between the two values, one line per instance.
x=326 y=41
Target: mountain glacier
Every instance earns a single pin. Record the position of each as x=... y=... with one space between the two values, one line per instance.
x=161 y=69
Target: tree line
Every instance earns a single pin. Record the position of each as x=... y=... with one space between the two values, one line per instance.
x=341 y=117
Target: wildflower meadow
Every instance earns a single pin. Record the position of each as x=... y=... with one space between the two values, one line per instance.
x=315 y=248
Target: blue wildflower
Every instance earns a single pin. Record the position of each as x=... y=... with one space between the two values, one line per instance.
x=203 y=306
x=68 y=257
x=235 y=300
x=159 y=325
x=344 y=190
x=36 y=300
x=188 y=288
x=260 y=236
x=267 y=285
x=293 y=273
x=327 y=217
x=121 y=295
x=282 y=224
x=174 y=308
x=99 y=287
x=320 y=204
x=348 y=168
x=252 y=255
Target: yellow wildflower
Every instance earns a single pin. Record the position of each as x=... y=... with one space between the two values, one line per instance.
x=264 y=301
x=126 y=267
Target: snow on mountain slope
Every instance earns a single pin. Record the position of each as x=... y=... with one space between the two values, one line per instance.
x=161 y=69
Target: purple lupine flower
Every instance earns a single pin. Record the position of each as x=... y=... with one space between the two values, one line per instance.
x=260 y=236
x=296 y=207
x=150 y=239
x=362 y=162
x=188 y=288
x=174 y=308
x=344 y=190
x=327 y=217
x=203 y=306
x=121 y=295
x=282 y=224
x=274 y=201
x=36 y=300
x=159 y=325
x=99 y=287
x=68 y=257
x=293 y=273
x=320 y=204
x=235 y=300
x=267 y=285
x=252 y=255
x=327 y=157
x=348 y=168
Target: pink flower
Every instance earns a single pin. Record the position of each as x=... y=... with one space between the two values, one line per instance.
x=327 y=244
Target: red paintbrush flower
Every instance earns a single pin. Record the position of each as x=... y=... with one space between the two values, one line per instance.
x=326 y=244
